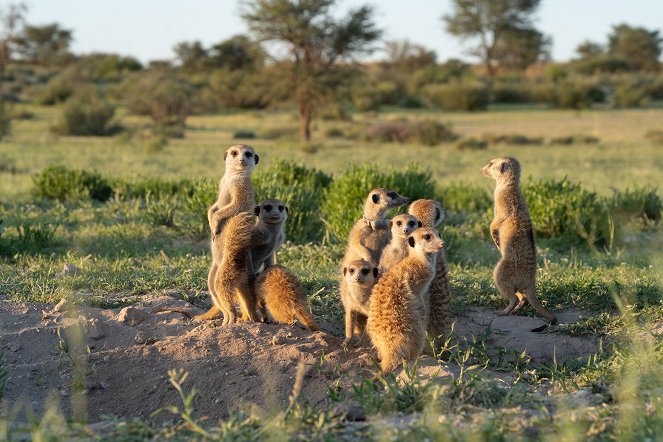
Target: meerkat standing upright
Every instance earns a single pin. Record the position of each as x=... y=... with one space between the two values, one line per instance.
x=397 y=249
x=236 y=195
x=269 y=234
x=370 y=235
x=397 y=318
x=511 y=230
x=357 y=282
x=431 y=213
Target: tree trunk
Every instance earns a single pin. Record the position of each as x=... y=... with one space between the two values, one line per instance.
x=305 y=112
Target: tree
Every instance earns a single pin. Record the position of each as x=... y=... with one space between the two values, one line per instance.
x=406 y=56
x=318 y=45
x=191 y=55
x=10 y=20
x=238 y=52
x=521 y=48
x=43 y=44
x=503 y=30
x=589 y=49
x=637 y=46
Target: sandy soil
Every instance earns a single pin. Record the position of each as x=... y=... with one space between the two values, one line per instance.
x=129 y=351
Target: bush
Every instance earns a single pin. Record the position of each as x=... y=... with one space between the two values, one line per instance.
x=511 y=93
x=470 y=143
x=29 y=239
x=574 y=139
x=275 y=133
x=144 y=187
x=641 y=202
x=334 y=132
x=87 y=114
x=165 y=99
x=629 y=92
x=57 y=90
x=465 y=198
x=564 y=210
x=202 y=194
x=655 y=136
x=425 y=132
x=343 y=200
x=160 y=211
x=60 y=183
x=301 y=188
x=577 y=95
x=511 y=139
x=241 y=88
x=364 y=99
x=244 y=135
x=457 y=96
x=392 y=131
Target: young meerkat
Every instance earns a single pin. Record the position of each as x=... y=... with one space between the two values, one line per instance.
x=397 y=249
x=370 y=235
x=358 y=279
x=281 y=293
x=264 y=238
x=236 y=195
x=511 y=230
x=399 y=301
x=431 y=213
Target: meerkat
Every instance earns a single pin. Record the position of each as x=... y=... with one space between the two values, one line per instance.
x=397 y=249
x=397 y=317
x=264 y=238
x=431 y=213
x=236 y=195
x=281 y=293
x=512 y=233
x=370 y=235
x=358 y=279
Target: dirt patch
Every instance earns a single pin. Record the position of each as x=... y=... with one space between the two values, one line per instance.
x=131 y=350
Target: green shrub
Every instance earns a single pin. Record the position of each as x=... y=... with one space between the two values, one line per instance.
x=630 y=92
x=465 y=198
x=344 y=199
x=655 y=136
x=364 y=99
x=511 y=93
x=458 y=96
x=511 y=139
x=301 y=188
x=244 y=135
x=426 y=132
x=87 y=114
x=334 y=132
x=197 y=201
x=470 y=143
x=160 y=211
x=57 y=90
x=280 y=132
x=142 y=187
x=391 y=131
x=577 y=95
x=29 y=239
x=58 y=182
x=641 y=202
x=574 y=139
x=564 y=210
x=165 y=99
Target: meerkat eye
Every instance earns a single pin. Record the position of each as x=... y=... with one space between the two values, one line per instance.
x=365 y=271
x=233 y=153
x=352 y=271
x=392 y=195
x=280 y=208
x=427 y=237
x=248 y=154
x=398 y=223
x=268 y=207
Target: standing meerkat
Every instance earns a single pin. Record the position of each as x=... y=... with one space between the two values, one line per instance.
x=264 y=238
x=370 y=235
x=280 y=292
x=511 y=230
x=399 y=302
x=357 y=282
x=397 y=249
x=236 y=195
x=431 y=213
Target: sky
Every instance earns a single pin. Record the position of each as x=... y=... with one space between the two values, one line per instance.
x=148 y=29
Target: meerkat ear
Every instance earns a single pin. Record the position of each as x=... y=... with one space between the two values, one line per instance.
x=286 y=210
x=376 y=198
x=437 y=213
x=345 y=270
x=375 y=272
x=504 y=167
x=225 y=154
x=257 y=210
x=421 y=224
x=391 y=223
x=257 y=158
x=410 y=241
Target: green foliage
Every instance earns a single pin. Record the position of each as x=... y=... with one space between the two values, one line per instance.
x=465 y=198
x=511 y=92
x=30 y=238
x=470 y=143
x=630 y=92
x=60 y=183
x=564 y=210
x=425 y=132
x=244 y=135
x=164 y=98
x=639 y=47
x=511 y=140
x=275 y=133
x=343 y=200
x=160 y=212
x=87 y=114
x=334 y=132
x=457 y=96
x=301 y=189
x=57 y=90
x=641 y=202
x=577 y=95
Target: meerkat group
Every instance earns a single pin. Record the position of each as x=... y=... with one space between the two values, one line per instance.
x=394 y=280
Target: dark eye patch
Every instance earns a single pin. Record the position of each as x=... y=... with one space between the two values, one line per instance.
x=248 y=154
x=410 y=224
x=268 y=207
x=280 y=208
x=365 y=271
x=392 y=194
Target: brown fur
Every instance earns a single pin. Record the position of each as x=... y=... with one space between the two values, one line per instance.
x=511 y=230
x=280 y=292
x=236 y=195
x=397 y=249
x=370 y=235
x=357 y=282
x=398 y=308
x=431 y=213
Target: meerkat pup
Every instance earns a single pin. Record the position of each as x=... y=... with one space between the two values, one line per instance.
x=399 y=301
x=236 y=195
x=431 y=213
x=370 y=235
x=358 y=279
x=269 y=233
x=280 y=292
x=397 y=249
x=511 y=230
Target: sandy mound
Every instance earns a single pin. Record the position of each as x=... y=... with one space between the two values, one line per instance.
x=131 y=350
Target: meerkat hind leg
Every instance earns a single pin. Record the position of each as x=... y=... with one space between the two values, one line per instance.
x=521 y=302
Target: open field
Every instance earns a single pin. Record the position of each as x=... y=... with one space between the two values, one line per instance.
x=598 y=375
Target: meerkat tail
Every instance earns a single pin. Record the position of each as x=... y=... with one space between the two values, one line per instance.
x=304 y=316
